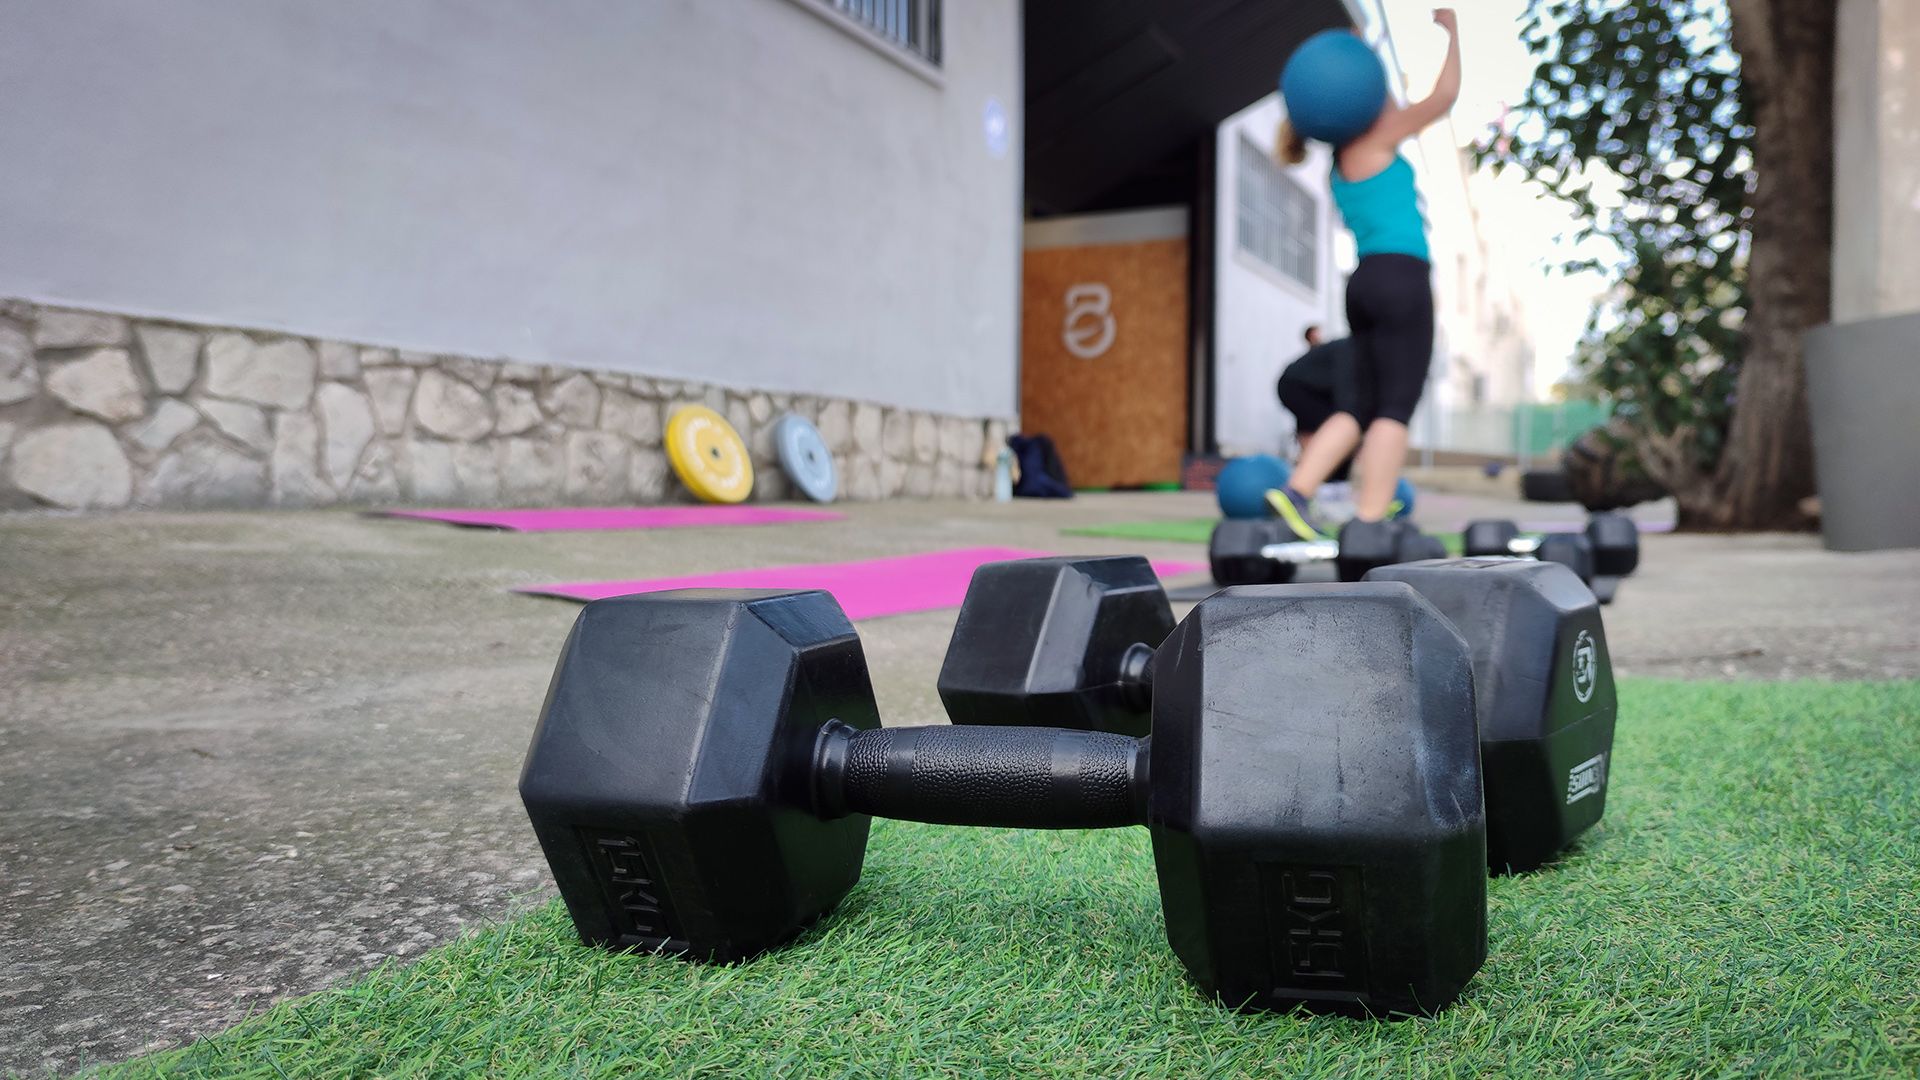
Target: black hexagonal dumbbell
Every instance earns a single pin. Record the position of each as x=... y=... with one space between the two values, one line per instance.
x=703 y=773
x=1060 y=641
x=1608 y=550
x=1263 y=551
x=1057 y=642
x=1545 y=697
x=1616 y=551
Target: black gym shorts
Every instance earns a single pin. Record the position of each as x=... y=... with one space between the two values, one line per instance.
x=1390 y=311
x=1318 y=385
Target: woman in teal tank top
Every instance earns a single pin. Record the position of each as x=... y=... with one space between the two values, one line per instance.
x=1389 y=303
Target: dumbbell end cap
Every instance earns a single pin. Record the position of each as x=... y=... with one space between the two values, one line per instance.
x=1368 y=901
x=666 y=777
x=1546 y=697
x=1039 y=643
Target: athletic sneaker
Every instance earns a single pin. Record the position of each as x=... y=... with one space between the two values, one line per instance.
x=1296 y=510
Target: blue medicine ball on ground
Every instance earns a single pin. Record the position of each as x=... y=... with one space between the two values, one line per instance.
x=1403 y=493
x=1243 y=484
x=1334 y=86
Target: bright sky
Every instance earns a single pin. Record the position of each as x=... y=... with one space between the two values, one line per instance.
x=1496 y=69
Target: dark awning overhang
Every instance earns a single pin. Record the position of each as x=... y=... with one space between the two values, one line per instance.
x=1118 y=89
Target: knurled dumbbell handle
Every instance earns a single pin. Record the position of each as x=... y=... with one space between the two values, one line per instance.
x=1014 y=777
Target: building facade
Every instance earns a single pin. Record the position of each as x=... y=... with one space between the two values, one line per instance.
x=295 y=254
x=1277 y=272
x=286 y=254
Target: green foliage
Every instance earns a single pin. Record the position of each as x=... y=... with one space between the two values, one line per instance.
x=1745 y=909
x=1640 y=99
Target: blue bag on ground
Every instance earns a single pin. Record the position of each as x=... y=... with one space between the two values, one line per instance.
x=1042 y=474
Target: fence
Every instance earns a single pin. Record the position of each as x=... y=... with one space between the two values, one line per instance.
x=1521 y=433
x=1542 y=429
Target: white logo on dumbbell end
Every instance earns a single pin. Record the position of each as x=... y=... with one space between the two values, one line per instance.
x=1586 y=778
x=1586 y=665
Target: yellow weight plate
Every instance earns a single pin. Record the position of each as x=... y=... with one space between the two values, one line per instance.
x=708 y=455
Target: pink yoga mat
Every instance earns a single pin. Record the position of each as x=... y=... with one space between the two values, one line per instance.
x=586 y=519
x=865 y=589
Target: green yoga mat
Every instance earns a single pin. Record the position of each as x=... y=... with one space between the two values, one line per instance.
x=1177 y=532
x=1194 y=531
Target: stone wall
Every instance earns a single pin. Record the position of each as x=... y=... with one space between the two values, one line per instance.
x=103 y=411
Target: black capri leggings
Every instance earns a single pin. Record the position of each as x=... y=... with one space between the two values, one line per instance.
x=1390 y=310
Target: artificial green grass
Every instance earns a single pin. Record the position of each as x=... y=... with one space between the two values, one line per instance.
x=1751 y=904
x=1194 y=531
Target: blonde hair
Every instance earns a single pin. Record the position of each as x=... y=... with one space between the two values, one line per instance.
x=1289 y=146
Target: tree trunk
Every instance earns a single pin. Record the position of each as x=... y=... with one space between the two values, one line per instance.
x=1786 y=75
x=1671 y=458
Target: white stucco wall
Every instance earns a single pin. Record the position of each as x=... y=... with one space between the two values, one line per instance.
x=728 y=190
x=1260 y=314
x=1876 y=266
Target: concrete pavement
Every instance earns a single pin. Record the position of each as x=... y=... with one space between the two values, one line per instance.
x=245 y=755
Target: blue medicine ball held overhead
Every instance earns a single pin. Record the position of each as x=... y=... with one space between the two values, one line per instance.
x=1334 y=87
x=1243 y=484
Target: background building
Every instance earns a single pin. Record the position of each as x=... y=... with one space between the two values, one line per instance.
x=1484 y=352
x=1279 y=267
x=274 y=253
x=295 y=253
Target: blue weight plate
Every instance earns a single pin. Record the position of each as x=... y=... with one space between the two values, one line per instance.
x=804 y=458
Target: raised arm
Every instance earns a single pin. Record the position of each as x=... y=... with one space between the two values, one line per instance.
x=1417 y=116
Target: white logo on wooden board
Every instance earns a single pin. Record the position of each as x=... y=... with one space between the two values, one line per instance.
x=1090 y=327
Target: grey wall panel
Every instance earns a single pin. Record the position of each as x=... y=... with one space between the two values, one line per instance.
x=730 y=190
x=1863 y=389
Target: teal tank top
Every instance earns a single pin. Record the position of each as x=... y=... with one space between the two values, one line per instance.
x=1383 y=211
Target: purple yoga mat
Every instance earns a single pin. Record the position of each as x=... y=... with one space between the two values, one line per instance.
x=586 y=519
x=865 y=589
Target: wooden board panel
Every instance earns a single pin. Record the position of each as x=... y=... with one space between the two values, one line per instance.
x=1103 y=359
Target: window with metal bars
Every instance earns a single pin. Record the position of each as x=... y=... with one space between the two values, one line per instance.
x=1277 y=221
x=912 y=25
